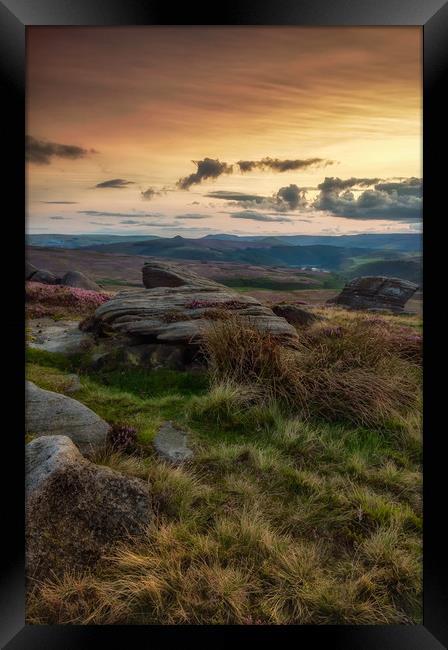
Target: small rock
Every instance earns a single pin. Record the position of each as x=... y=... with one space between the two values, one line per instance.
x=294 y=315
x=171 y=444
x=75 y=510
x=79 y=280
x=49 y=413
x=72 y=383
x=45 y=277
x=30 y=270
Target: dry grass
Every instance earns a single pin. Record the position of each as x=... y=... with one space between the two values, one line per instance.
x=353 y=373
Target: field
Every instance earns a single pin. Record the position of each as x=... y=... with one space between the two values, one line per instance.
x=302 y=503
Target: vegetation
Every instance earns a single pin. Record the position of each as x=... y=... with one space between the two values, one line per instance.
x=57 y=301
x=302 y=503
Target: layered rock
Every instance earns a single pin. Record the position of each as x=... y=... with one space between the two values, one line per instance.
x=76 y=510
x=294 y=315
x=376 y=293
x=49 y=413
x=180 y=307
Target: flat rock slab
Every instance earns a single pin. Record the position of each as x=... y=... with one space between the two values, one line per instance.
x=179 y=314
x=76 y=510
x=49 y=413
x=171 y=444
x=376 y=292
x=62 y=336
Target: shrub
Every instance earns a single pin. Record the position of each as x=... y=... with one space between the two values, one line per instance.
x=122 y=437
x=46 y=299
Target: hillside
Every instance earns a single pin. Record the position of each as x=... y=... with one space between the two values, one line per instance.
x=411 y=270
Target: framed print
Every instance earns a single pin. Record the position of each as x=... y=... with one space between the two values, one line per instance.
x=232 y=422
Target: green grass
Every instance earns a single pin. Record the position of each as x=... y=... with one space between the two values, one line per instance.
x=278 y=519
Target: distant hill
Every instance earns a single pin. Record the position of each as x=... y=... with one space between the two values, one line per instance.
x=411 y=270
x=80 y=241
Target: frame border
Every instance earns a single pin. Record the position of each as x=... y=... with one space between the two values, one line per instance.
x=432 y=15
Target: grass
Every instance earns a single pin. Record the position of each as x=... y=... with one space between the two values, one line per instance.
x=284 y=516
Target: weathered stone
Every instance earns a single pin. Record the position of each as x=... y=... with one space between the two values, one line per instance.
x=62 y=336
x=376 y=292
x=294 y=315
x=79 y=280
x=171 y=444
x=30 y=269
x=165 y=274
x=49 y=413
x=45 y=277
x=76 y=510
x=179 y=314
x=72 y=383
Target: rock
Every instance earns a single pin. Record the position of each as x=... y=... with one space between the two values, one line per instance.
x=72 y=383
x=49 y=413
x=45 y=277
x=146 y=355
x=30 y=269
x=79 y=280
x=165 y=274
x=63 y=336
x=171 y=444
x=76 y=510
x=376 y=292
x=178 y=314
x=295 y=315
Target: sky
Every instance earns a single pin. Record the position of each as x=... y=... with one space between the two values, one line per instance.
x=242 y=130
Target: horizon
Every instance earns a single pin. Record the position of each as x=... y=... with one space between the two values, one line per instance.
x=247 y=131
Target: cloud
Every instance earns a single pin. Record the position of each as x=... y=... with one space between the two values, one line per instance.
x=292 y=195
x=206 y=168
x=331 y=184
x=116 y=183
x=149 y=194
x=99 y=213
x=278 y=165
x=236 y=196
x=41 y=152
x=258 y=216
x=58 y=218
x=60 y=202
x=192 y=215
x=391 y=201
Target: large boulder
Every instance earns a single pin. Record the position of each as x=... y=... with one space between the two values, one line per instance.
x=45 y=277
x=75 y=510
x=178 y=314
x=49 y=413
x=79 y=280
x=294 y=314
x=376 y=293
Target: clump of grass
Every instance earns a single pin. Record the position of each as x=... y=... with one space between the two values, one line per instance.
x=122 y=437
x=347 y=377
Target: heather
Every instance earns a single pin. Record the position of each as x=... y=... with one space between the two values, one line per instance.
x=59 y=301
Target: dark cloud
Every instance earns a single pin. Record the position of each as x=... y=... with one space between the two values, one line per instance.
x=60 y=202
x=206 y=168
x=41 y=152
x=116 y=183
x=258 y=216
x=149 y=194
x=99 y=213
x=58 y=218
x=391 y=201
x=236 y=196
x=331 y=184
x=192 y=215
x=292 y=196
x=278 y=165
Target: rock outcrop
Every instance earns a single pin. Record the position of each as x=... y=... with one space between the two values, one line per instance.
x=79 y=280
x=44 y=277
x=30 y=270
x=49 y=413
x=76 y=510
x=171 y=444
x=376 y=293
x=179 y=308
x=294 y=315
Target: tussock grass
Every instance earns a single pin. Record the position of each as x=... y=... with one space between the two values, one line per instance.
x=285 y=515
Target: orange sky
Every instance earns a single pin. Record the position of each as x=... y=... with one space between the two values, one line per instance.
x=142 y=103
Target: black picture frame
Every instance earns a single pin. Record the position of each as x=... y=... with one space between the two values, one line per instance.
x=15 y=16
